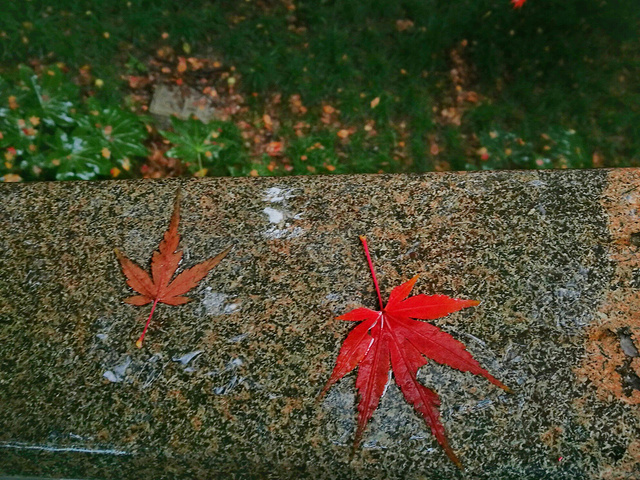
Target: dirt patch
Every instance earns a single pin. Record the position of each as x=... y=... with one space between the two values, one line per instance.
x=612 y=362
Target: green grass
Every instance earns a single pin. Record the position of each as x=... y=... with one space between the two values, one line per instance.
x=556 y=71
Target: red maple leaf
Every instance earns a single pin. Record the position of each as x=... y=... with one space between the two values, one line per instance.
x=159 y=287
x=391 y=338
x=518 y=3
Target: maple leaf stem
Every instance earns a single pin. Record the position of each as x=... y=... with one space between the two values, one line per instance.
x=141 y=339
x=363 y=239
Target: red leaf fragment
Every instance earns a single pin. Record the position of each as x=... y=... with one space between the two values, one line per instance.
x=518 y=3
x=159 y=286
x=392 y=338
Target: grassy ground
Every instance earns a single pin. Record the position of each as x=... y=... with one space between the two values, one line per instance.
x=367 y=86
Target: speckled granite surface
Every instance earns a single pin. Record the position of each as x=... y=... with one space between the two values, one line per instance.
x=551 y=255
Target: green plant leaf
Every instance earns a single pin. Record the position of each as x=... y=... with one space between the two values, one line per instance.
x=49 y=98
x=214 y=146
x=121 y=132
x=77 y=158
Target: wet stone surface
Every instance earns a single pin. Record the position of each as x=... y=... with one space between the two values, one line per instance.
x=226 y=385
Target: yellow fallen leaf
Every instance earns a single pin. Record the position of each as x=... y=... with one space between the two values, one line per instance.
x=182 y=65
x=196 y=64
x=343 y=133
x=402 y=25
x=375 y=102
x=105 y=152
x=35 y=121
x=11 y=177
x=268 y=123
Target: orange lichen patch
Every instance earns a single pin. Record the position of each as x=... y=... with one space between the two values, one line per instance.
x=551 y=437
x=627 y=467
x=606 y=363
x=292 y=404
x=196 y=423
x=604 y=357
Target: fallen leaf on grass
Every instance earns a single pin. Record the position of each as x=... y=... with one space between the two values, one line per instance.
x=274 y=149
x=268 y=123
x=328 y=110
x=136 y=82
x=196 y=63
x=391 y=338
x=402 y=25
x=11 y=177
x=159 y=286
x=182 y=65
x=296 y=106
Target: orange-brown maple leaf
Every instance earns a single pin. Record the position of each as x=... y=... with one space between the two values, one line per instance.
x=391 y=338
x=161 y=286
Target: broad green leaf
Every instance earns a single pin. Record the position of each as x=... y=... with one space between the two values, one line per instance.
x=121 y=132
x=76 y=158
